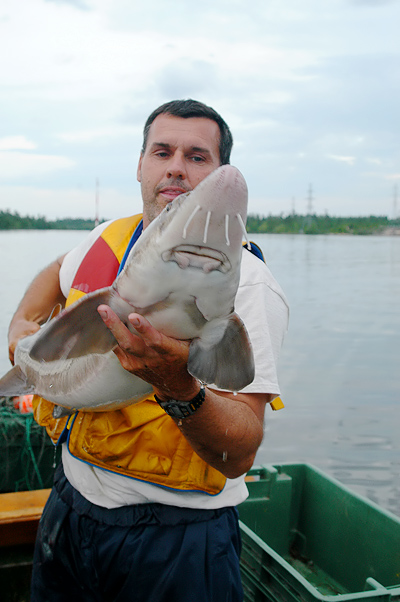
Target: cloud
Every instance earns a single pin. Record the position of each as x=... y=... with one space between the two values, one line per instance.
x=88 y=136
x=185 y=78
x=394 y=176
x=75 y=3
x=17 y=165
x=372 y=3
x=16 y=143
x=343 y=159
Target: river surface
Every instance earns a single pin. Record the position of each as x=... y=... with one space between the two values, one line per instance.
x=339 y=368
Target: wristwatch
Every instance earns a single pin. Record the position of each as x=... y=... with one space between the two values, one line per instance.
x=182 y=409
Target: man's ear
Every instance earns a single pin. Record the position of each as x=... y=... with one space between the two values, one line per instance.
x=139 y=169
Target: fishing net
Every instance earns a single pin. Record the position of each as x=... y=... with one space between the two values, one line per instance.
x=27 y=455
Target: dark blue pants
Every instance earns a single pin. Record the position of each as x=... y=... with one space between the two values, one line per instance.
x=143 y=553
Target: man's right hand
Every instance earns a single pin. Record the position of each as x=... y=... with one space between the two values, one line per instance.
x=18 y=330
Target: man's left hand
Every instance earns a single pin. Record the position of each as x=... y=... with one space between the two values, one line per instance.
x=156 y=358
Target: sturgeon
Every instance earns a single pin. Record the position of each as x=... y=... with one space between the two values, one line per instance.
x=182 y=275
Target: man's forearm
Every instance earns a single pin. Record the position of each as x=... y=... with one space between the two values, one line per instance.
x=226 y=430
x=42 y=295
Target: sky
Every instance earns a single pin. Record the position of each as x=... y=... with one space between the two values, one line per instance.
x=309 y=88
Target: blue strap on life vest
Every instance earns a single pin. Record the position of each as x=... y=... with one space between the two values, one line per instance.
x=255 y=249
x=134 y=237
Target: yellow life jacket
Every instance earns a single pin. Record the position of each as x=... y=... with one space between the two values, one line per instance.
x=139 y=441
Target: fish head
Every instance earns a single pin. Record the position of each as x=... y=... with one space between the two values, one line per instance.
x=204 y=228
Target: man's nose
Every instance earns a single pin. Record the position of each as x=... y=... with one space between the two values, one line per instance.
x=176 y=167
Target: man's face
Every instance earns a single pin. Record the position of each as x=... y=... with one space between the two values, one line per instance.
x=179 y=154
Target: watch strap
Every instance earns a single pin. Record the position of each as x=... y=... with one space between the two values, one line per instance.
x=182 y=409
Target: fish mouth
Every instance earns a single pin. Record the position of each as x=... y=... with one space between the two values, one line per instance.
x=203 y=258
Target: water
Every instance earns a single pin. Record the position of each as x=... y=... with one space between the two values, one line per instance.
x=339 y=368
x=339 y=365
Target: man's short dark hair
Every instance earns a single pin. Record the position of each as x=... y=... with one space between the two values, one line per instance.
x=193 y=108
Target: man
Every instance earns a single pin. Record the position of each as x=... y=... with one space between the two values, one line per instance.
x=146 y=508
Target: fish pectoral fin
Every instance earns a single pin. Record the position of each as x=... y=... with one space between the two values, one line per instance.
x=14 y=383
x=225 y=360
x=55 y=311
x=78 y=330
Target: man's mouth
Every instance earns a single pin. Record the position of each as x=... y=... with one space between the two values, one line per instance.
x=171 y=192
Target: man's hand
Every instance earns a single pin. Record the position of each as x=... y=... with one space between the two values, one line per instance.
x=154 y=357
x=18 y=330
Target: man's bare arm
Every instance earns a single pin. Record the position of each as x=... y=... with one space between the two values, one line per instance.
x=226 y=430
x=42 y=295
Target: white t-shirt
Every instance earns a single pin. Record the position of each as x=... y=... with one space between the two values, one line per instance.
x=262 y=305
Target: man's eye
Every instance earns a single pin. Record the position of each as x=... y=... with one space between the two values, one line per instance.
x=197 y=159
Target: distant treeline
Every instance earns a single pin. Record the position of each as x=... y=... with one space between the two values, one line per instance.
x=320 y=224
x=276 y=224
x=15 y=221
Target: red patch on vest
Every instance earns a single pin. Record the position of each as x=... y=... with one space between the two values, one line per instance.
x=98 y=269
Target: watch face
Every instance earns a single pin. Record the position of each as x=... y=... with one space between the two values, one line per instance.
x=177 y=409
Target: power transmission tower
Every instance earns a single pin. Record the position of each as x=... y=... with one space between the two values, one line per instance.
x=96 y=217
x=395 y=198
x=310 y=199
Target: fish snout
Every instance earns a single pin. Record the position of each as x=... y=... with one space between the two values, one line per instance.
x=215 y=212
x=225 y=191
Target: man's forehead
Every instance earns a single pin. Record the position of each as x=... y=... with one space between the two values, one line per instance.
x=191 y=131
